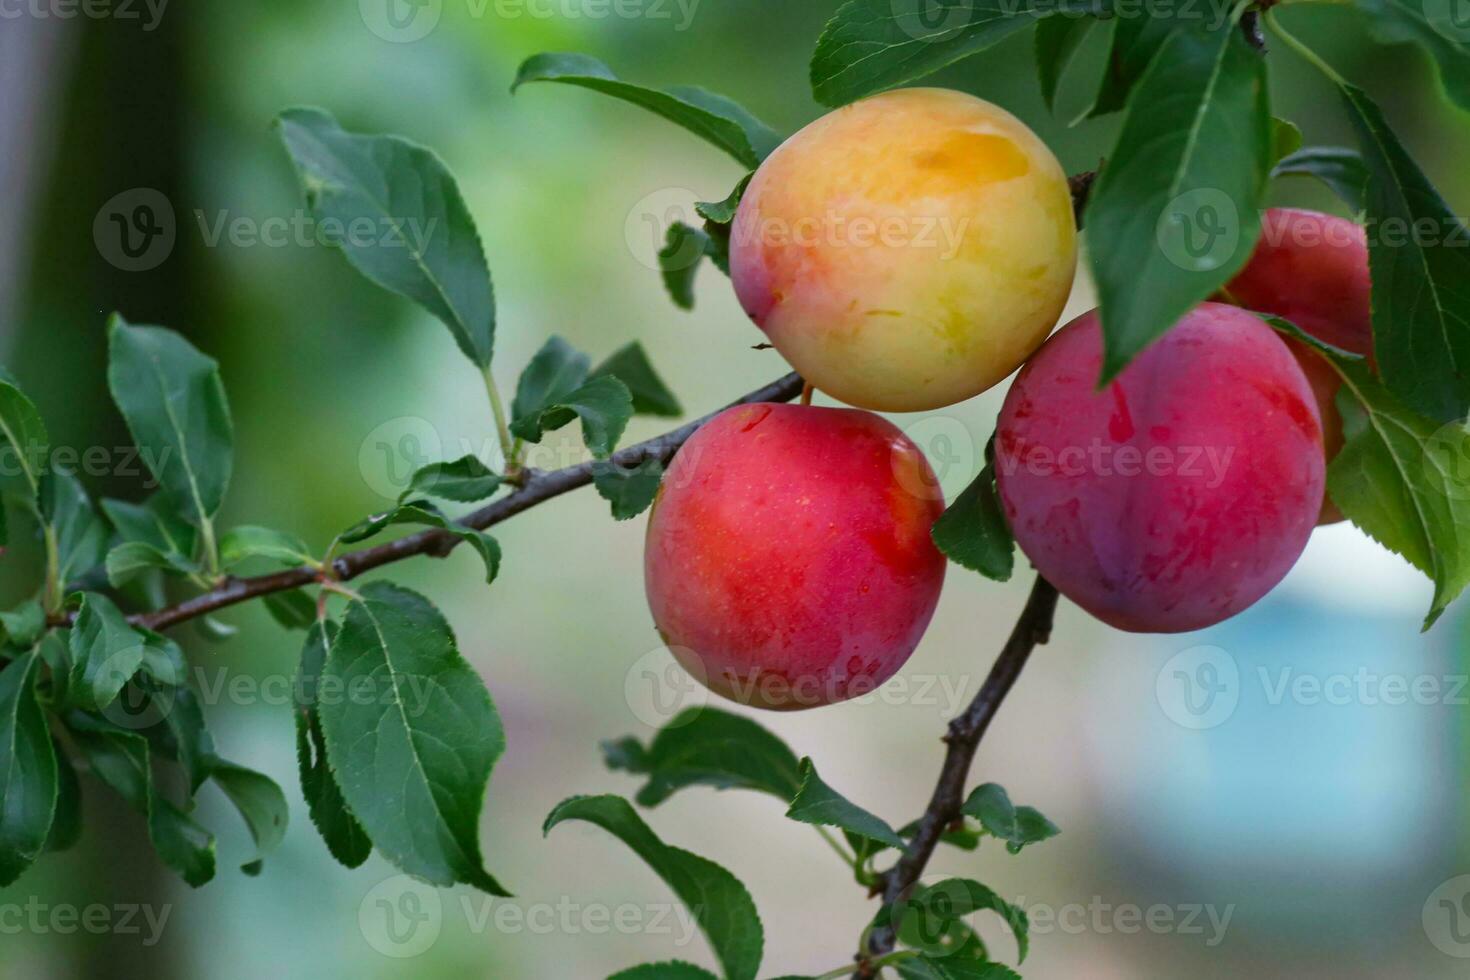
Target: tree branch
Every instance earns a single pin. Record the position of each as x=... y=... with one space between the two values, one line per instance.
x=1032 y=629
x=537 y=486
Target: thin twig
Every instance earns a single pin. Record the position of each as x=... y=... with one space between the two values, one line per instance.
x=537 y=486
x=1032 y=629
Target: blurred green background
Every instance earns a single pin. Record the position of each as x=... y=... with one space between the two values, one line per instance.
x=1320 y=830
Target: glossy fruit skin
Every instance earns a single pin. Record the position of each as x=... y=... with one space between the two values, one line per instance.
x=1312 y=269
x=1190 y=483
x=908 y=251
x=788 y=561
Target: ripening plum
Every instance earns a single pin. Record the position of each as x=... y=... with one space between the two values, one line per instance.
x=788 y=561
x=1179 y=494
x=907 y=251
x=1312 y=269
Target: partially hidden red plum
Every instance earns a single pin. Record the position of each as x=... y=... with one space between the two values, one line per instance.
x=1312 y=269
x=788 y=562
x=1179 y=494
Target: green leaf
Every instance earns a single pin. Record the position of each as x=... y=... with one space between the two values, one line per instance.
x=24 y=434
x=1016 y=825
x=1405 y=481
x=250 y=541
x=261 y=804
x=423 y=512
x=711 y=117
x=180 y=733
x=1056 y=41
x=1421 y=284
x=678 y=261
x=344 y=836
x=723 y=212
x=413 y=759
x=554 y=371
x=152 y=522
x=465 y=479
x=716 y=898
x=163 y=659
x=24 y=624
x=603 y=404
x=630 y=490
x=122 y=761
x=708 y=747
x=424 y=245
x=1175 y=212
x=153 y=536
x=174 y=404
x=1136 y=42
x=81 y=537
x=66 y=825
x=872 y=45
x=818 y=803
x=55 y=652
x=295 y=610
x=1435 y=26
x=1286 y=139
x=931 y=918
x=132 y=558
x=973 y=531
x=664 y=971
x=28 y=780
x=1339 y=168
x=105 y=653
x=630 y=365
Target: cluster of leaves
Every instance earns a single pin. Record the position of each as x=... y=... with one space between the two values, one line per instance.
x=706 y=747
x=396 y=733
x=80 y=680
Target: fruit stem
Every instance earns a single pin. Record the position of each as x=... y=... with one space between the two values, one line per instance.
x=806 y=393
x=1301 y=49
x=842 y=852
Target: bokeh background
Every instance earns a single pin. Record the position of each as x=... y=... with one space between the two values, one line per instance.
x=1269 y=832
